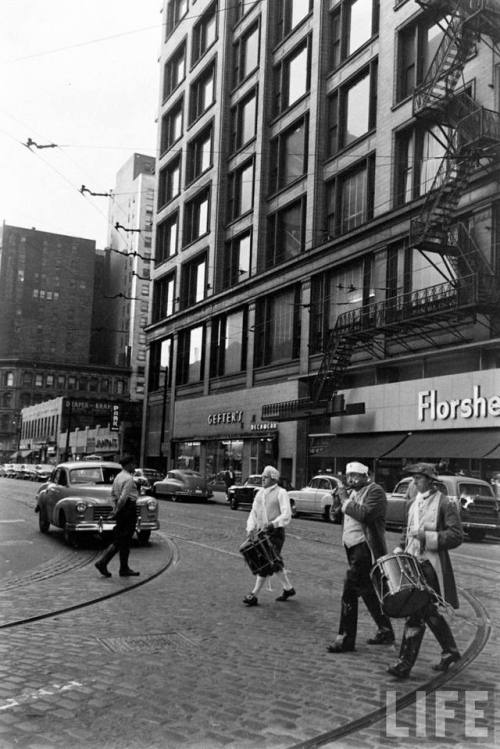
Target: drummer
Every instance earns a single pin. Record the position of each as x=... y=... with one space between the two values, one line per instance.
x=433 y=526
x=270 y=512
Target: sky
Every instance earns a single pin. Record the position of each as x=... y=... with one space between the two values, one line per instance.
x=82 y=74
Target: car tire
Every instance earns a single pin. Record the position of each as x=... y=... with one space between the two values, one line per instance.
x=234 y=504
x=335 y=515
x=43 y=521
x=327 y=514
x=70 y=536
x=143 y=537
x=295 y=514
x=476 y=534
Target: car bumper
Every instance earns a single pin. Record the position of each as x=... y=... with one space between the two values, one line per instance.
x=484 y=526
x=108 y=526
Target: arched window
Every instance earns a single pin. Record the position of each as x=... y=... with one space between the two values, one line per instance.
x=9 y=379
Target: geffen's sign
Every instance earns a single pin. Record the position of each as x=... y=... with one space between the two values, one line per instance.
x=430 y=408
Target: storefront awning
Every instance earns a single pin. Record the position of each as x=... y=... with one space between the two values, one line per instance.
x=356 y=446
x=21 y=454
x=448 y=444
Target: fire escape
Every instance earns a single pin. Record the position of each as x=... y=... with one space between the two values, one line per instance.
x=471 y=135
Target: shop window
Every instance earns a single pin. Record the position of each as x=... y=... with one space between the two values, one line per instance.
x=171 y=126
x=169 y=183
x=163 y=297
x=244 y=120
x=174 y=71
x=292 y=77
x=277 y=327
x=290 y=14
x=418 y=154
x=187 y=456
x=246 y=54
x=202 y=93
x=289 y=155
x=193 y=281
x=204 y=34
x=191 y=355
x=352 y=110
x=200 y=154
x=237 y=254
x=176 y=10
x=160 y=364
x=196 y=216
x=286 y=233
x=229 y=339
x=350 y=198
x=166 y=238
x=352 y=24
x=240 y=191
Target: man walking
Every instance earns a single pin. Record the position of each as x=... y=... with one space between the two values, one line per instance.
x=363 y=537
x=124 y=494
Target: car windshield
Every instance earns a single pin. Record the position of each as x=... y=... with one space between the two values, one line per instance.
x=254 y=480
x=95 y=475
x=468 y=489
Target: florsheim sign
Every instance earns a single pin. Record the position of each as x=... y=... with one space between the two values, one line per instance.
x=478 y=406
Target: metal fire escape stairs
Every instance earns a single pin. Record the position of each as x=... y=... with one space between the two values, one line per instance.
x=471 y=135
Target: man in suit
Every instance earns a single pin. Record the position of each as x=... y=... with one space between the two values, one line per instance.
x=363 y=536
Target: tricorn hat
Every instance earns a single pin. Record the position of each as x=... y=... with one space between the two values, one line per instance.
x=426 y=469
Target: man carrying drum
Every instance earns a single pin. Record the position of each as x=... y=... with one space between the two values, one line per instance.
x=363 y=537
x=270 y=512
x=433 y=526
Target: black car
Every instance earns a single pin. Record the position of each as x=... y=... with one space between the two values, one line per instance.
x=244 y=494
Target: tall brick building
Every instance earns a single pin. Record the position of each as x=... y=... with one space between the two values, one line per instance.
x=326 y=276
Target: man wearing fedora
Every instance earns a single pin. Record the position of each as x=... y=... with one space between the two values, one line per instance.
x=433 y=527
x=363 y=537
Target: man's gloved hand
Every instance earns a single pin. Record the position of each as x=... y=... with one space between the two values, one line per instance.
x=269 y=527
x=398 y=550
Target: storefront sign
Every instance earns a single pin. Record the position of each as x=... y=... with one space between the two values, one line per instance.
x=477 y=407
x=226 y=417
x=115 y=418
x=106 y=443
x=263 y=426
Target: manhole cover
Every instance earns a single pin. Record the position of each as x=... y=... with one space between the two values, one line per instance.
x=148 y=643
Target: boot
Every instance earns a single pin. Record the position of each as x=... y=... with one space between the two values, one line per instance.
x=106 y=557
x=410 y=646
x=125 y=570
x=443 y=634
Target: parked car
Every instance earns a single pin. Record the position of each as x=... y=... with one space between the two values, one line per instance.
x=145 y=477
x=43 y=471
x=77 y=498
x=10 y=470
x=180 y=484
x=243 y=494
x=479 y=507
x=217 y=481
x=319 y=497
x=28 y=472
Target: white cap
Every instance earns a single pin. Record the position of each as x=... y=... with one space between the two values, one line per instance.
x=356 y=468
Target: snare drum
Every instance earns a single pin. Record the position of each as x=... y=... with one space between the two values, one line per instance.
x=261 y=555
x=400 y=585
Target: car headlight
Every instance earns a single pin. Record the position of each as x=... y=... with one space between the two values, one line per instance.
x=81 y=506
x=151 y=504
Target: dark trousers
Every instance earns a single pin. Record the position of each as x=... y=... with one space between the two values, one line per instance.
x=357 y=583
x=431 y=616
x=122 y=536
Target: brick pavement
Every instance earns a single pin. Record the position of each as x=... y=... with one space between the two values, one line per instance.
x=180 y=662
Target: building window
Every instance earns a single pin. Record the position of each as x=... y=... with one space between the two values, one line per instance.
x=197 y=217
x=418 y=153
x=240 y=191
x=38 y=380
x=61 y=381
x=352 y=110
x=237 y=259
x=93 y=384
x=286 y=233
x=291 y=13
x=176 y=10
x=171 y=126
x=292 y=77
x=166 y=238
x=105 y=385
x=246 y=54
x=200 y=154
x=417 y=44
x=191 y=355
x=71 y=382
x=169 y=186
x=145 y=289
x=163 y=297
x=27 y=378
x=119 y=387
x=202 y=93
x=229 y=344
x=9 y=379
x=244 y=120
x=277 y=327
x=204 y=34
x=49 y=381
x=349 y=198
x=174 y=71
x=352 y=24
x=193 y=281
x=289 y=155
x=160 y=366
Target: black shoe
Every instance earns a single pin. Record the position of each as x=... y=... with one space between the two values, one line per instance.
x=383 y=637
x=129 y=573
x=286 y=594
x=399 y=670
x=340 y=647
x=250 y=600
x=446 y=661
x=102 y=569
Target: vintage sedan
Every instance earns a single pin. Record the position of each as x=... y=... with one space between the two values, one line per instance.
x=243 y=494
x=475 y=498
x=182 y=484
x=145 y=477
x=319 y=497
x=77 y=498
